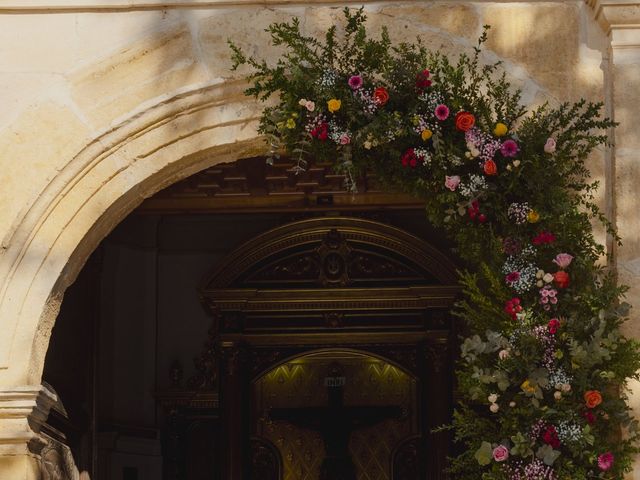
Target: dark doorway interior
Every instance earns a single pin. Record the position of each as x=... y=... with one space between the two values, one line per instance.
x=130 y=353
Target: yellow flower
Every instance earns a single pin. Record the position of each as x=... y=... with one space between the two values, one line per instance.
x=500 y=130
x=528 y=387
x=426 y=134
x=334 y=105
x=533 y=216
x=291 y=123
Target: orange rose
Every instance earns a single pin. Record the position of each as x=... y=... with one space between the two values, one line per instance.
x=592 y=398
x=464 y=121
x=490 y=168
x=561 y=278
x=380 y=96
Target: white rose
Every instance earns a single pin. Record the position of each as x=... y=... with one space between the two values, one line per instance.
x=493 y=398
x=494 y=408
x=550 y=145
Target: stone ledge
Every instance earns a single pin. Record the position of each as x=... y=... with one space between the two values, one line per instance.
x=23 y=411
x=616 y=14
x=52 y=6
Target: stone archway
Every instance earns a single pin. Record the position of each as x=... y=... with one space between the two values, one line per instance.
x=96 y=189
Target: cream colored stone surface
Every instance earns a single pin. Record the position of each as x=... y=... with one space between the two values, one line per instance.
x=34 y=148
x=543 y=37
x=150 y=68
x=104 y=103
x=456 y=19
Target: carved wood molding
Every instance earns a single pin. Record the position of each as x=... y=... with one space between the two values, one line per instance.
x=334 y=300
x=314 y=236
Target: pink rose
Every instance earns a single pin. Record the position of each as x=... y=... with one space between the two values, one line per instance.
x=452 y=182
x=605 y=461
x=308 y=104
x=550 y=145
x=345 y=139
x=500 y=453
x=563 y=260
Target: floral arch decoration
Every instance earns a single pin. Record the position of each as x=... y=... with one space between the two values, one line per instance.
x=543 y=366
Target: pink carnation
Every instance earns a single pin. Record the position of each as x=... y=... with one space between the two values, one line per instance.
x=500 y=453
x=355 y=82
x=605 y=461
x=509 y=148
x=442 y=112
x=452 y=182
x=563 y=260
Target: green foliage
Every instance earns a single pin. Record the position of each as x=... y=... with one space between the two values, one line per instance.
x=541 y=329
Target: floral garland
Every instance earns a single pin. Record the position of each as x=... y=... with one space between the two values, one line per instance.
x=543 y=367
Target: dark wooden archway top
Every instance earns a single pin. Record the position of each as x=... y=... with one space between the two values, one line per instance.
x=332 y=252
x=331 y=273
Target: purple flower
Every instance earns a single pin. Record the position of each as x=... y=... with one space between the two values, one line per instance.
x=509 y=148
x=355 y=82
x=442 y=112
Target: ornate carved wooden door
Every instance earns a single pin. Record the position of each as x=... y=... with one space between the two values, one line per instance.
x=333 y=285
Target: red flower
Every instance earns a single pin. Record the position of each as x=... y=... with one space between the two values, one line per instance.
x=589 y=417
x=321 y=132
x=554 y=324
x=422 y=80
x=380 y=96
x=550 y=437
x=490 y=168
x=543 y=238
x=474 y=212
x=561 y=278
x=512 y=277
x=464 y=121
x=592 y=398
x=512 y=307
x=409 y=159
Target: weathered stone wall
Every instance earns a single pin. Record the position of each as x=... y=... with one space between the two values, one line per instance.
x=106 y=102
